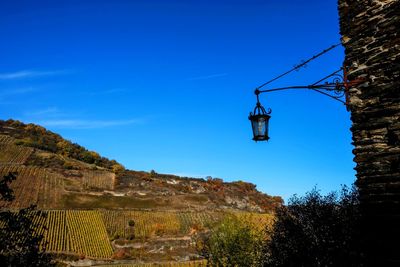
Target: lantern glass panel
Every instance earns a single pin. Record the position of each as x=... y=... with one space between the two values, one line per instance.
x=260 y=127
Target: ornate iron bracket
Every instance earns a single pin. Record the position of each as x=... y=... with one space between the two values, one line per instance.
x=336 y=86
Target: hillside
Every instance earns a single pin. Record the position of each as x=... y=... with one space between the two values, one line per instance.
x=78 y=178
x=91 y=201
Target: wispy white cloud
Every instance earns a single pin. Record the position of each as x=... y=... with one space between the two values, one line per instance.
x=50 y=111
x=52 y=116
x=16 y=92
x=23 y=74
x=212 y=76
x=86 y=124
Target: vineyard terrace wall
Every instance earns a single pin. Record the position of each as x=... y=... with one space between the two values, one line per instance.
x=370 y=35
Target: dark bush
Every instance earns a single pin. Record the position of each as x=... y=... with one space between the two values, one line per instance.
x=317 y=230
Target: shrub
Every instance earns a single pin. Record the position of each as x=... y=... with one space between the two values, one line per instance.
x=317 y=230
x=231 y=243
x=131 y=223
x=117 y=168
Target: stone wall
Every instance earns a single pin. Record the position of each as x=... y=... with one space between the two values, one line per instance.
x=370 y=32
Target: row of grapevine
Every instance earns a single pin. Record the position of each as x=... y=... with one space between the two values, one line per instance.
x=198 y=263
x=51 y=190
x=258 y=221
x=151 y=223
x=147 y=223
x=12 y=154
x=56 y=236
x=80 y=232
x=39 y=224
x=197 y=220
x=6 y=140
x=88 y=235
x=26 y=187
x=34 y=185
x=98 y=179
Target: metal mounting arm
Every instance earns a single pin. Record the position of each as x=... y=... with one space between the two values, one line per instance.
x=336 y=86
x=336 y=89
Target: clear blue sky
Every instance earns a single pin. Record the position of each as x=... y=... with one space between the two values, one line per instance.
x=168 y=85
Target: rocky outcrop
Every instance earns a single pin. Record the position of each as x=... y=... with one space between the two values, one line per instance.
x=370 y=35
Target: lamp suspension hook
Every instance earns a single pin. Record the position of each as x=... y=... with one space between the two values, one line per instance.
x=259 y=109
x=257 y=93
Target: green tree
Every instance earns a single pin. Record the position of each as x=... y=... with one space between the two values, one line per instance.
x=231 y=243
x=19 y=242
x=153 y=173
x=317 y=230
x=117 y=168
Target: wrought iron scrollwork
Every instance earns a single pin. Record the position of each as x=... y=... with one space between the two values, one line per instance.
x=335 y=86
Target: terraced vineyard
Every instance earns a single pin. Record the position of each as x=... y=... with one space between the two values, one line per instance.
x=51 y=191
x=6 y=140
x=150 y=223
x=147 y=223
x=38 y=223
x=12 y=154
x=200 y=263
x=257 y=220
x=98 y=180
x=26 y=187
x=79 y=232
x=88 y=232
x=197 y=220
x=34 y=185
x=88 y=235
x=57 y=234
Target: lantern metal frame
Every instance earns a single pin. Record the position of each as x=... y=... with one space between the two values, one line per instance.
x=260 y=114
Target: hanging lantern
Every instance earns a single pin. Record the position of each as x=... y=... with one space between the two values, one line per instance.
x=259 y=122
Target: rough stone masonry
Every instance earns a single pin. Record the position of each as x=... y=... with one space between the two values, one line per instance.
x=370 y=34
